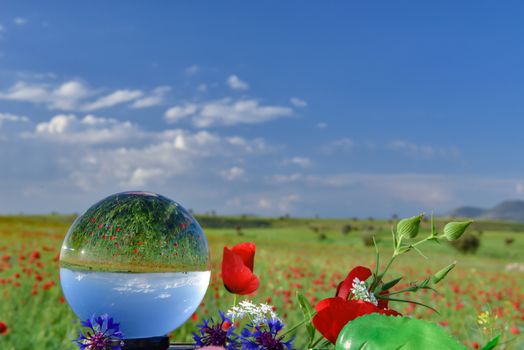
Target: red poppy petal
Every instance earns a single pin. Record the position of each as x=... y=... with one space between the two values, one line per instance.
x=344 y=288
x=324 y=303
x=237 y=277
x=334 y=313
x=247 y=252
x=390 y=312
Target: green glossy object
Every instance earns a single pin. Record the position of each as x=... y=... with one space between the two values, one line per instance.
x=376 y=331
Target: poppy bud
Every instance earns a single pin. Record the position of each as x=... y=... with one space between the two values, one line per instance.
x=409 y=227
x=453 y=230
x=439 y=276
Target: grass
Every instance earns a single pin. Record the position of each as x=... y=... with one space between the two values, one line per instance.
x=306 y=255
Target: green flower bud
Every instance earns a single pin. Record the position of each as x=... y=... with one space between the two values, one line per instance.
x=409 y=227
x=391 y=283
x=455 y=229
x=439 y=276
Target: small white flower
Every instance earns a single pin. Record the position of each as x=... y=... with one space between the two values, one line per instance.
x=359 y=291
x=257 y=313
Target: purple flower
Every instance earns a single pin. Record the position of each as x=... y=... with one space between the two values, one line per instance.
x=102 y=333
x=265 y=337
x=218 y=334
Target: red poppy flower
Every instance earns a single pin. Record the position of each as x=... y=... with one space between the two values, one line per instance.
x=237 y=269
x=3 y=328
x=334 y=313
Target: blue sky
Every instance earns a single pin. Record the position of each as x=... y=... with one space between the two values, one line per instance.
x=309 y=108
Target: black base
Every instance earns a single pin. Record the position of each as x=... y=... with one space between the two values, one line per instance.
x=154 y=343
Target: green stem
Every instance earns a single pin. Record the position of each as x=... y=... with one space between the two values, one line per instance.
x=388 y=265
x=317 y=341
x=397 y=292
x=234 y=304
x=409 y=301
x=295 y=326
x=420 y=242
x=431 y=237
x=379 y=277
x=377 y=264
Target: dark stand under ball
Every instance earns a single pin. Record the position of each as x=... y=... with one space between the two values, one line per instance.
x=154 y=343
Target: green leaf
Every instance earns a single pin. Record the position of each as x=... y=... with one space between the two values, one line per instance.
x=439 y=276
x=391 y=284
x=433 y=227
x=492 y=343
x=323 y=346
x=377 y=331
x=308 y=312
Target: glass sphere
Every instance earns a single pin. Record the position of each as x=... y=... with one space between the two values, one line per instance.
x=139 y=257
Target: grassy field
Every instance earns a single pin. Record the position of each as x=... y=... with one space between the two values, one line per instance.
x=306 y=255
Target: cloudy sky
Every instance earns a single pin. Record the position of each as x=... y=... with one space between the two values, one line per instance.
x=310 y=108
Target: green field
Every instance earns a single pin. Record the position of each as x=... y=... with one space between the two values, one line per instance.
x=306 y=255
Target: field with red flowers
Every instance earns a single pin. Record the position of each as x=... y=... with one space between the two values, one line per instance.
x=480 y=298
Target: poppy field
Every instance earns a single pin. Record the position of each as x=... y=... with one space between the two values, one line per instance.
x=481 y=298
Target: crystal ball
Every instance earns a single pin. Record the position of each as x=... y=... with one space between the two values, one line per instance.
x=139 y=257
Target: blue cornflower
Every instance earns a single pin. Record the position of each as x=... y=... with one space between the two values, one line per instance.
x=265 y=336
x=219 y=334
x=102 y=333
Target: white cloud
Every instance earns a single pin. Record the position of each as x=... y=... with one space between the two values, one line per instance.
x=286 y=203
x=192 y=70
x=280 y=179
x=22 y=91
x=155 y=98
x=68 y=129
x=273 y=203
x=115 y=98
x=177 y=113
x=74 y=95
x=519 y=188
x=264 y=203
x=229 y=112
x=226 y=112
x=63 y=97
x=340 y=145
x=202 y=87
x=143 y=176
x=57 y=125
x=233 y=173
x=322 y=125
x=303 y=162
x=235 y=83
x=20 y=21
x=2 y=28
x=165 y=155
x=7 y=117
x=295 y=101
x=67 y=95
x=423 y=151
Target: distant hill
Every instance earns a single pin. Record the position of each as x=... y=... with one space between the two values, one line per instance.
x=507 y=210
x=468 y=212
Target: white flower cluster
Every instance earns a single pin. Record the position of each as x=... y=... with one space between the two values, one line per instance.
x=359 y=291
x=257 y=313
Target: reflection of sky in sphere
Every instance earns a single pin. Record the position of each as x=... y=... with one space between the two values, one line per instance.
x=146 y=304
x=136 y=232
